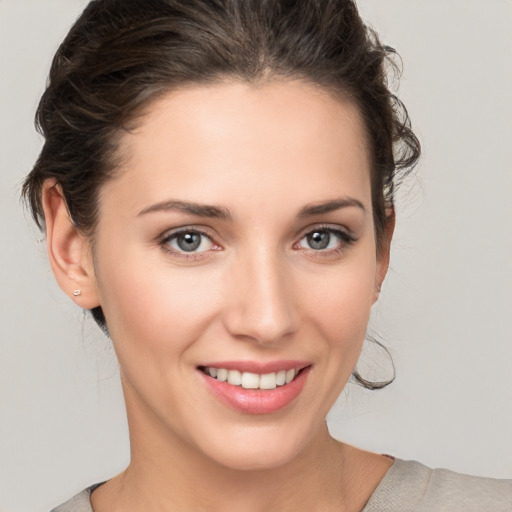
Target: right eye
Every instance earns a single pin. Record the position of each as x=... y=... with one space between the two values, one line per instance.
x=187 y=241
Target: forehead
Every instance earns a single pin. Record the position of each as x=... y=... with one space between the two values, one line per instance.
x=200 y=140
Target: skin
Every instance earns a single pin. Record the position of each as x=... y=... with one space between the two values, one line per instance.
x=255 y=290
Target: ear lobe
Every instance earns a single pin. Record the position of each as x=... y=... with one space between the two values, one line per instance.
x=383 y=254
x=69 y=251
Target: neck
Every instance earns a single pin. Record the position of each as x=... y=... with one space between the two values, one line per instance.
x=177 y=478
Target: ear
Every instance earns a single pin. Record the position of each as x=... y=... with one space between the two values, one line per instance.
x=383 y=254
x=68 y=250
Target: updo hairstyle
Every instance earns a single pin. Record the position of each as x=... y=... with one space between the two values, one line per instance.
x=121 y=55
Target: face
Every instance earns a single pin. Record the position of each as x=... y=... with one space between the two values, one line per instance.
x=236 y=265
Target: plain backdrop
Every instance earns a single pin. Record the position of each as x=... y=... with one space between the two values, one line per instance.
x=446 y=307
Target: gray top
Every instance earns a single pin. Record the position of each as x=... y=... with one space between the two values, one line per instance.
x=408 y=486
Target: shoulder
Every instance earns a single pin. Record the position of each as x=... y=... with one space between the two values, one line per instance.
x=78 y=503
x=411 y=486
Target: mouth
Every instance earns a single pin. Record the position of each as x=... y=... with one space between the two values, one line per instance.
x=250 y=380
x=253 y=388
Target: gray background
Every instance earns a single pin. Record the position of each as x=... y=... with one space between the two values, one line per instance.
x=446 y=308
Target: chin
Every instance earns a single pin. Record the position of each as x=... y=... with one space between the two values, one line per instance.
x=257 y=449
x=263 y=460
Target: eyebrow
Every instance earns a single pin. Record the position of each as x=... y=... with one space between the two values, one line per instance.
x=200 y=210
x=217 y=212
x=330 y=206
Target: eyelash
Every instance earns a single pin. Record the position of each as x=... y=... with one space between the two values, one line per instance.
x=345 y=240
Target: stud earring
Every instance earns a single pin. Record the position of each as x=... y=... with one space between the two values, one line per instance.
x=76 y=293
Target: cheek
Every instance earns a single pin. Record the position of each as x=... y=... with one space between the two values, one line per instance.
x=152 y=306
x=339 y=313
x=341 y=307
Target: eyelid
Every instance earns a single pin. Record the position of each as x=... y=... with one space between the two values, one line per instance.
x=336 y=228
x=185 y=229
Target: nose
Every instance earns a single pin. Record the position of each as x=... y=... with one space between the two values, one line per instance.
x=261 y=305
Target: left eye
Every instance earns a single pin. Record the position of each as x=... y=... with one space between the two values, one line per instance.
x=322 y=239
x=189 y=241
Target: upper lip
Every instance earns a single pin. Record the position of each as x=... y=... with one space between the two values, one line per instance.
x=257 y=366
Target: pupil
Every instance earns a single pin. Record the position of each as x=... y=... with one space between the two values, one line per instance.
x=189 y=241
x=319 y=239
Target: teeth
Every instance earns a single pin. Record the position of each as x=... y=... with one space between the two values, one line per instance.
x=250 y=380
x=269 y=381
x=290 y=375
x=234 y=377
x=222 y=374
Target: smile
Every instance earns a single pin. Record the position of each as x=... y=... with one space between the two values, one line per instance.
x=254 y=388
x=249 y=380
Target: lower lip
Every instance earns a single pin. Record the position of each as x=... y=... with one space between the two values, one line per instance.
x=257 y=401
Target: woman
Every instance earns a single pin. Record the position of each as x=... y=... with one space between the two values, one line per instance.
x=217 y=188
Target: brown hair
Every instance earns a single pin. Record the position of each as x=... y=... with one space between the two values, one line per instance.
x=122 y=54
